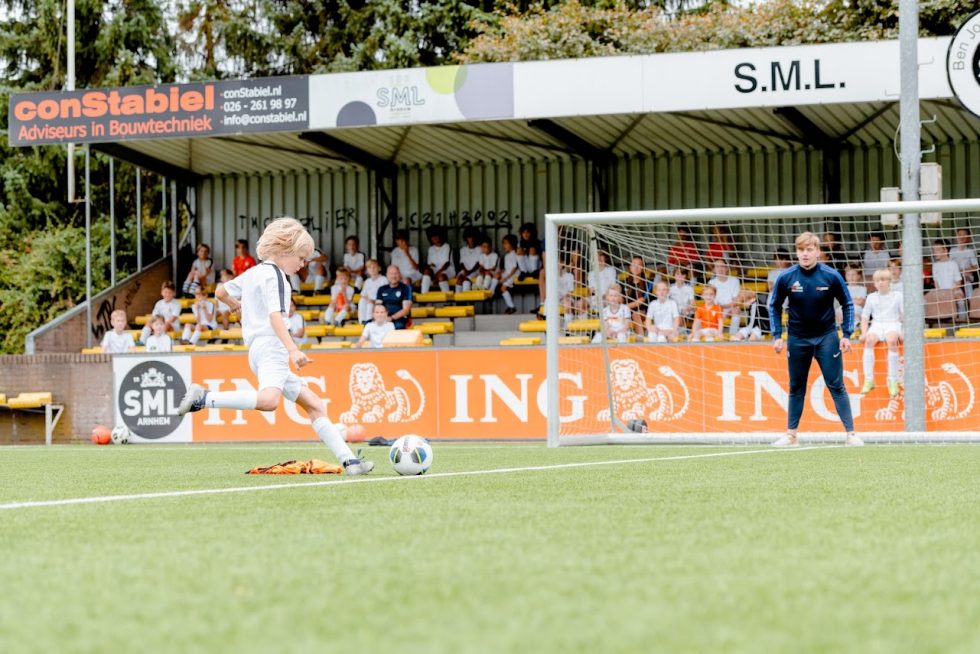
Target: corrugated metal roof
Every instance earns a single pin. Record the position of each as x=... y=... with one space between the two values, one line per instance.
x=734 y=130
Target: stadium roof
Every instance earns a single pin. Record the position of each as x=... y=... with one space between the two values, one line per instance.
x=821 y=96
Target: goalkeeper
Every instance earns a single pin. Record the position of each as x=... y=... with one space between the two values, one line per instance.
x=811 y=288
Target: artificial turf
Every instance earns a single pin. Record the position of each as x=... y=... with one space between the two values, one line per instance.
x=813 y=550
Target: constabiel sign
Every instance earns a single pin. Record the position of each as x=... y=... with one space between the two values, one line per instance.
x=167 y=110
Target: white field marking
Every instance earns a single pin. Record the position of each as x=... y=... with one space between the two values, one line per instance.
x=365 y=480
x=286 y=446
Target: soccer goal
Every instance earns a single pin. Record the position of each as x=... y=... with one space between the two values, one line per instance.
x=699 y=366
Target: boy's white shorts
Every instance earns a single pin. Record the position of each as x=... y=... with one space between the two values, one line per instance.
x=880 y=328
x=269 y=360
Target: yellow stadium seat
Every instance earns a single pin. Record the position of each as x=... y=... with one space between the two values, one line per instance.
x=29 y=400
x=139 y=348
x=581 y=291
x=186 y=302
x=523 y=340
x=210 y=347
x=332 y=345
x=348 y=330
x=434 y=327
x=585 y=325
x=307 y=286
x=432 y=296
x=756 y=287
x=527 y=281
x=319 y=331
x=403 y=338
x=186 y=319
x=756 y=273
x=236 y=348
x=141 y=320
x=935 y=332
x=533 y=326
x=309 y=314
x=92 y=350
x=423 y=312
x=230 y=334
x=472 y=296
x=574 y=340
x=3 y=400
x=968 y=332
x=184 y=348
x=455 y=312
x=315 y=301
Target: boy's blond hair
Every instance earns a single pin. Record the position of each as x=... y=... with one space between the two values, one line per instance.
x=805 y=239
x=285 y=237
x=883 y=273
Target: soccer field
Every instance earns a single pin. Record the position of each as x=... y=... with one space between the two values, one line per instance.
x=637 y=549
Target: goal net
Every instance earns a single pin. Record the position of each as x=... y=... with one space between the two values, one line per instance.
x=659 y=327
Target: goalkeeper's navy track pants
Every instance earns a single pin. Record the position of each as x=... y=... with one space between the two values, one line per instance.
x=826 y=350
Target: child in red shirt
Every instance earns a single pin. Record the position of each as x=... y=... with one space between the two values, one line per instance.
x=243 y=260
x=707 y=318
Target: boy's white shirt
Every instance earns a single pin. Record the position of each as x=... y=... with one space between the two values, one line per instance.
x=469 y=257
x=438 y=256
x=946 y=274
x=858 y=291
x=663 y=313
x=262 y=290
x=683 y=296
x=166 y=309
x=295 y=322
x=369 y=289
x=161 y=343
x=335 y=291
x=376 y=333
x=607 y=277
x=201 y=265
x=354 y=261
x=884 y=308
x=199 y=313
x=510 y=265
x=400 y=259
x=566 y=283
x=874 y=260
x=727 y=290
x=113 y=343
x=617 y=319
x=489 y=261
x=964 y=256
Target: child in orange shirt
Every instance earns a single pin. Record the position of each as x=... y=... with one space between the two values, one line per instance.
x=707 y=317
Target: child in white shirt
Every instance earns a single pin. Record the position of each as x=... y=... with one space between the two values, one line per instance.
x=439 y=260
x=167 y=308
x=487 y=266
x=202 y=271
x=375 y=331
x=884 y=309
x=261 y=295
x=224 y=311
x=354 y=260
x=296 y=325
x=118 y=340
x=856 y=287
x=341 y=299
x=369 y=290
x=727 y=289
x=663 y=319
x=204 y=318
x=682 y=293
x=508 y=275
x=606 y=277
x=469 y=260
x=406 y=257
x=615 y=316
x=159 y=340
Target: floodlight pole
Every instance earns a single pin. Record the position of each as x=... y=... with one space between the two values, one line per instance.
x=139 y=219
x=70 y=86
x=173 y=228
x=112 y=222
x=88 y=252
x=911 y=159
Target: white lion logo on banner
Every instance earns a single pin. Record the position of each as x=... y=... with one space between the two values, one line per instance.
x=635 y=400
x=942 y=400
x=372 y=402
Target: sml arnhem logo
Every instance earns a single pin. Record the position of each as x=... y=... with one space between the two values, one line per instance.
x=148 y=399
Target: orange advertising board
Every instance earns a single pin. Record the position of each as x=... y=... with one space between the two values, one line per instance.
x=494 y=393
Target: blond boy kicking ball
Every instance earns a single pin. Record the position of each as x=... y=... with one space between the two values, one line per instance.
x=261 y=295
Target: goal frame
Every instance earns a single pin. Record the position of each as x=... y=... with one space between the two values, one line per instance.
x=912 y=287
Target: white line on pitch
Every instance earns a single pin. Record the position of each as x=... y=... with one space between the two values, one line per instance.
x=367 y=480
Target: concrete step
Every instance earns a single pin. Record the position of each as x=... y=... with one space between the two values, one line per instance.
x=492 y=323
x=483 y=338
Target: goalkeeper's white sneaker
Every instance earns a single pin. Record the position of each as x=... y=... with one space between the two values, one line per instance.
x=787 y=440
x=853 y=440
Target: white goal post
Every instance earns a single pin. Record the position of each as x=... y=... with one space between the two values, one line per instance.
x=610 y=382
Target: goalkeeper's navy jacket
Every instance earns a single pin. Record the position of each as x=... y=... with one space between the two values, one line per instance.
x=811 y=296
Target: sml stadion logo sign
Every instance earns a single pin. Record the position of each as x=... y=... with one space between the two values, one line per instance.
x=963 y=64
x=148 y=398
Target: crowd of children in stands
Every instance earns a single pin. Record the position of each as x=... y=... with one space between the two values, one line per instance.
x=637 y=304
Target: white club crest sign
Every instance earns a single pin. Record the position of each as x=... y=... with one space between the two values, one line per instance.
x=963 y=64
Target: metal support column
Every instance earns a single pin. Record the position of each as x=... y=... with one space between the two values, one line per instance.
x=112 y=222
x=88 y=250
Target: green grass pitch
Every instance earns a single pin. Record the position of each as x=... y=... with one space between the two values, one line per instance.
x=811 y=550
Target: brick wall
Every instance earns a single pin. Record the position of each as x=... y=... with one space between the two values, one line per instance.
x=82 y=382
x=136 y=295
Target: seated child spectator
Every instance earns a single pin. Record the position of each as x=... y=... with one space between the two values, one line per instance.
x=615 y=317
x=856 y=286
x=317 y=271
x=528 y=252
x=296 y=325
x=946 y=274
x=167 y=308
x=369 y=290
x=507 y=275
x=884 y=311
x=707 y=318
x=201 y=274
x=439 y=260
x=966 y=258
x=159 y=340
x=118 y=340
x=573 y=308
x=780 y=262
x=600 y=280
x=341 y=299
x=833 y=252
x=487 y=266
x=876 y=256
x=727 y=289
x=224 y=311
x=354 y=260
x=663 y=320
x=204 y=318
x=469 y=259
x=756 y=317
x=684 y=251
x=682 y=293
x=242 y=260
x=637 y=289
x=396 y=296
x=375 y=331
x=722 y=245
x=406 y=257
x=895 y=268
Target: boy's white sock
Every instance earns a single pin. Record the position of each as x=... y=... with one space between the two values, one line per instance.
x=493 y=286
x=319 y=281
x=294 y=281
x=444 y=286
x=893 y=365
x=231 y=399
x=333 y=439
x=187 y=333
x=508 y=299
x=467 y=285
x=869 y=363
x=195 y=336
x=426 y=283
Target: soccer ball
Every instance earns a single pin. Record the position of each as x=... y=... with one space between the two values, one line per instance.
x=101 y=435
x=410 y=455
x=120 y=435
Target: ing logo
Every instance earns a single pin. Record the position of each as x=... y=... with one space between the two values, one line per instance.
x=372 y=402
x=634 y=399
